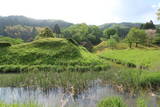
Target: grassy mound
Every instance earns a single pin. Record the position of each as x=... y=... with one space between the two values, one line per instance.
x=48 y=54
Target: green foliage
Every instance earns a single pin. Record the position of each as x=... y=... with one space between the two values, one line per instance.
x=112 y=102
x=46 y=33
x=137 y=36
x=83 y=32
x=107 y=33
x=157 y=39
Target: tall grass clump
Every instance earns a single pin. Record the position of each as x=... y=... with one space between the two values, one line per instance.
x=112 y=102
x=141 y=102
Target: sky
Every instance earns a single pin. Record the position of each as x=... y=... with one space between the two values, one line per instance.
x=95 y=12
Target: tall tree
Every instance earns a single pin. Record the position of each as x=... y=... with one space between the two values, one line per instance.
x=107 y=33
x=57 y=30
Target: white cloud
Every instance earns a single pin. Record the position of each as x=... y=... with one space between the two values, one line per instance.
x=156 y=6
x=77 y=11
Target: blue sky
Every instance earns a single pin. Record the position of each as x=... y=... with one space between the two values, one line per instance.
x=138 y=10
x=84 y=11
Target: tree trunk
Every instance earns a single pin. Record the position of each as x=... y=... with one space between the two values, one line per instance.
x=136 y=44
x=130 y=45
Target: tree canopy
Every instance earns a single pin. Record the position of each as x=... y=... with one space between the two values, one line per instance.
x=83 y=32
x=107 y=33
x=46 y=33
x=148 y=25
x=137 y=36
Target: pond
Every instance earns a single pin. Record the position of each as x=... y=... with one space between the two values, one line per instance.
x=56 y=97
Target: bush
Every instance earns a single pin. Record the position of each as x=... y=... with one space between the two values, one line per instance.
x=112 y=102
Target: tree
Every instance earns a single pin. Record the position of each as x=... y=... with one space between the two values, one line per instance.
x=116 y=37
x=137 y=36
x=148 y=25
x=34 y=31
x=57 y=30
x=107 y=33
x=150 y=36
x=83 y=33
x=46 y=33
x=94 y=34
x=111 y=43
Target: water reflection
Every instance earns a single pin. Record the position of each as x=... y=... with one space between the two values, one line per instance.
x=59 y=98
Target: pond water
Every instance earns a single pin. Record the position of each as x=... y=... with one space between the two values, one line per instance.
x=58 y=98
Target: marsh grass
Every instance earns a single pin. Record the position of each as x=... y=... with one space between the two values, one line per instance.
x=131 y=80
x=141 y=102
x=112 y=102
x=119 y=102
x=2 y=104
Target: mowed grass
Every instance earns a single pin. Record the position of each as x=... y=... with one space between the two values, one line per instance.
x=138 y=57
x=49 y=54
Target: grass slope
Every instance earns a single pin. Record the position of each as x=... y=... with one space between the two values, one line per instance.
x=48 y=54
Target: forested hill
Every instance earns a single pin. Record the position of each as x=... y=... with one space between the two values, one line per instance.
x=26 y=28
x=22 y=20
x=121 y=25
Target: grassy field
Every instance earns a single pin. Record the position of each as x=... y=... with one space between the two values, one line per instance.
x=136 y=57
x=49 y=54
